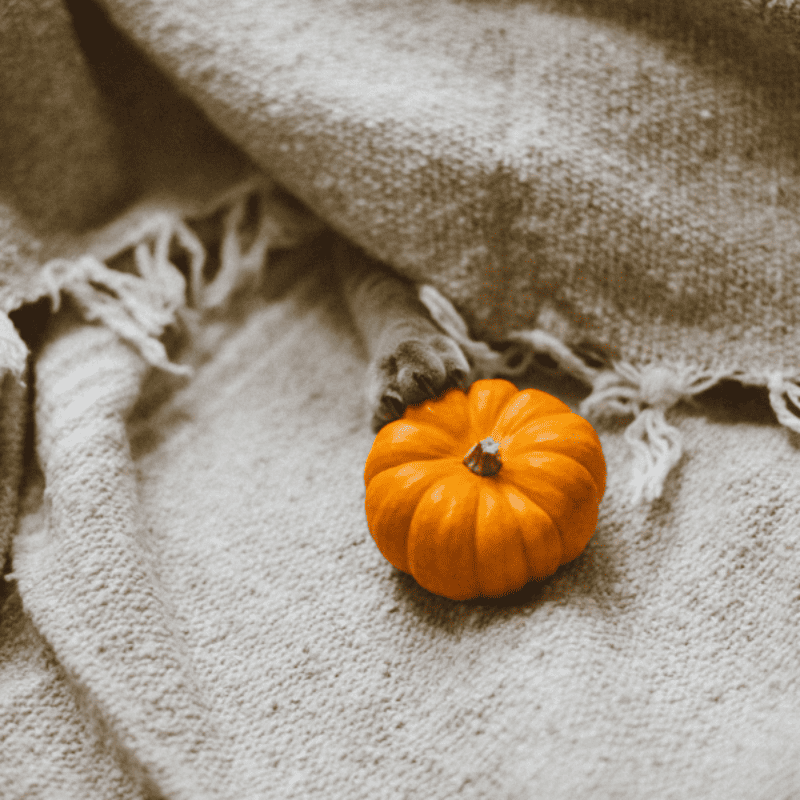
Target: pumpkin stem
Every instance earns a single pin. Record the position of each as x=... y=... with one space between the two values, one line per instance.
x=484 y=457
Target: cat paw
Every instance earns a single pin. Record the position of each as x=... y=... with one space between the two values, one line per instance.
x=416 y=370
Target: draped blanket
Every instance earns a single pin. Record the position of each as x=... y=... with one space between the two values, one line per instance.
x=596 y=198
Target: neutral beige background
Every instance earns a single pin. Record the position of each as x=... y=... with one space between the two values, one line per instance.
x=661 y=663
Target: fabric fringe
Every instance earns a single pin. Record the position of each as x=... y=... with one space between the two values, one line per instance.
x=620 y=389
x=485 y=362
x=648 y=393
x=784 y=396
x=135 y=308
x=138 y=307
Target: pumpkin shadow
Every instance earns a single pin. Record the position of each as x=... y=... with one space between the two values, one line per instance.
x=451 y=616
x=443 y=612
x=585 y=578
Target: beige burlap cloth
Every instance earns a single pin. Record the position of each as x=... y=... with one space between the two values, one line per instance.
x=193 y=605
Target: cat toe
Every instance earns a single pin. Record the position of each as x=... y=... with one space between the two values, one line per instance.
x=415 y=371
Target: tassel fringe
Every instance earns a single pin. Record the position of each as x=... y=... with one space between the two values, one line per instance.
x=138 y=307
x=135 y=308
x=647 y=393
x=657 y=447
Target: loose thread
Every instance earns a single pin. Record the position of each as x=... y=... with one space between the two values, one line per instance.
x=657 y=447
x=138 y=307
x=782 y=393
x=237 y=265
x=485 y=362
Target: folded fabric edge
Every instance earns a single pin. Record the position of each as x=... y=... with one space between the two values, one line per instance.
x=619 y=389
x=13 y=421
x=87 y=377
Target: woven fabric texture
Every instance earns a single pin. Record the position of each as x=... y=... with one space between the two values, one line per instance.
x=192 y=606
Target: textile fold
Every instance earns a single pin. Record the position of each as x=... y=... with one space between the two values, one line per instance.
x=599 y=198
x=88 y=543
x=13 y=425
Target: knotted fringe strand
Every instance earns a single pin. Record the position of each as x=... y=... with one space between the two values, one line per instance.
x=138 y=307
x=784 y=394
x=657 y=447
x=135 y=308
x=648 y=393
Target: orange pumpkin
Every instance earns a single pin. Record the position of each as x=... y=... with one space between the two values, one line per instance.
x=475 y=494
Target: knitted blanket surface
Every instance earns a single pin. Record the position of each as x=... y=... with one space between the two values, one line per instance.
x=193 y=606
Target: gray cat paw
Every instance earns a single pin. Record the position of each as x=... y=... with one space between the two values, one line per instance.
x=414 y=371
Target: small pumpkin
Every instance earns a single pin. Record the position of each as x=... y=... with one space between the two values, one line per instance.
x=475 y=494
